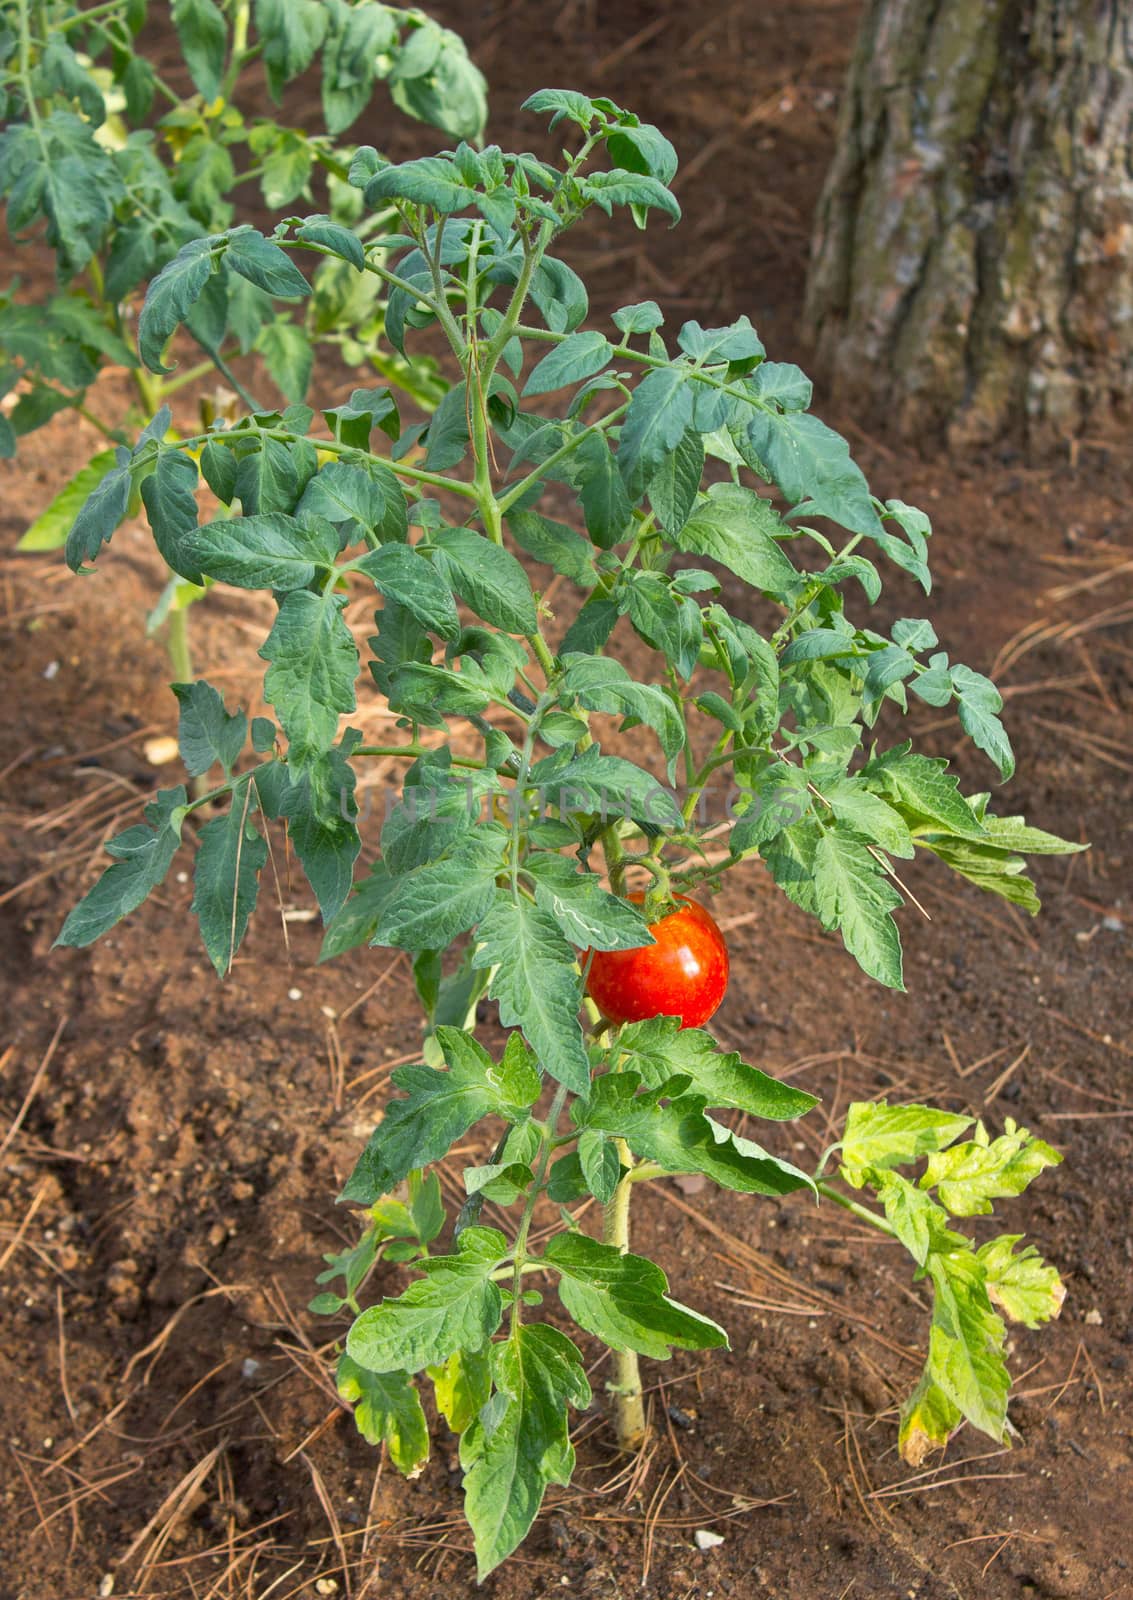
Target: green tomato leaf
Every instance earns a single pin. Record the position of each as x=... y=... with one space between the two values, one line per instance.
x=968 y=1177
x=143 y=855
x=924 y=791
x=313 y=665
x=813 y=467
x=203 y=34
x=599 y=1164
x=461 y=1386
x=520 y=1441
x=536 y=985
x=488 y=578
x=172 y=295
x=387 y=1410
x=736 y=527
x=50 y=529
x=593 y=782
x=555 y=545
x=288 y=356
x=867 y=814
x=602 y=684
x=268 y=551
x=919 y=1223
x=319 y=805
x=226 y=882
x=586 y=913
x=660 y=1049
x=673 y=487
x=680 y=1138
x=263 y=263
x=854 y=895
x=206 y=732
x=579 y=356
x=883 y=1136
x=658 y=415
x=441 y=1107
x=101 y=512
x=431 y=904
x=978 y=702
x=456 y=1306
x=622 y=1300
x=357 y=921
x=407 y=577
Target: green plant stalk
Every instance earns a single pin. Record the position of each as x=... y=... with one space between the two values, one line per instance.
x=629 y=1406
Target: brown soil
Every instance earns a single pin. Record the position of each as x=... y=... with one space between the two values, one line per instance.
x=168 y=1424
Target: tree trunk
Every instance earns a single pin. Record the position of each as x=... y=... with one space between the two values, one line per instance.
x=972 y=272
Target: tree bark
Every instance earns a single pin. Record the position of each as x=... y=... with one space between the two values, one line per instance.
x=972 y=268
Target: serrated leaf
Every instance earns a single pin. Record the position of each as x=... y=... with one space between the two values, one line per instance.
x=408 y=578
x=854 y=895
x=434 y=902
x=660 y=1049
x=599 y=1164
x=978 y=705
x=320 y=808
x=520 y=1442
x=536 y=986
x=456 y=1306
x=387 y=1410
x=226 y=877
x=50 y=529
x=658 y=415
x=313 y=665
x=672 y=488
x=172 y=295
x=880 y=1135
x=203 y=35
x=430 y=181
x=587 y=914
x=969 y=1176
x=357 y=921
x=619 y=187
x=924 y=791
x=171 y=508
x=602 y=684
x=735 y=526
x=608 y=785
x=441 y=1107
x=680 y=1138
x=579 y=356
x=267 y=551
x=966 y=1342
x=100 y=514
x=288 y=356
x=488 y=578
x=1024 y=1287
x=554 y=544
x=813 y=467
x=868 y=814
x=143 y=855
x=622 y=1300
x=461 y=1387
x=916 y=1219
x=206 y=732
x=263 y=263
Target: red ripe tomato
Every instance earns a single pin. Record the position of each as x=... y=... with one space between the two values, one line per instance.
x=684 y=974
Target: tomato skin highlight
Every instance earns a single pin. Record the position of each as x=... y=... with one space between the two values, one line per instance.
x=684 y=974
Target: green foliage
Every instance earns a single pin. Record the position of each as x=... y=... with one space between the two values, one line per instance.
x=965 y=1375
x=505 y=863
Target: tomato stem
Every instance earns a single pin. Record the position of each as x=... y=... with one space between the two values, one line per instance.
x=629 y=1407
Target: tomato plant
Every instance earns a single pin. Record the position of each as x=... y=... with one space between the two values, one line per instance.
x=526 y=823
x=120 y=170
x=683 y=973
